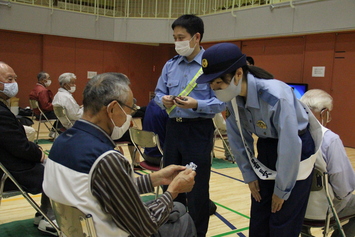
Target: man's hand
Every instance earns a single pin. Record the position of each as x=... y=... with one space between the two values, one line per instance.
x=166 y=175
x=255 y=190
x=168 y=101
x=276 y=204
x=186 y=102
x=182 y=183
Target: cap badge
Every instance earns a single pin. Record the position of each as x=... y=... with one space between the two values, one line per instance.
x=204 y=63
x=261 y=124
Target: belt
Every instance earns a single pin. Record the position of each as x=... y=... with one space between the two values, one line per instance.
x=186 y=120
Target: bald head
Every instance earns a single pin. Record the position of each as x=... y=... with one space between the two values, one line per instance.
x=7 y=75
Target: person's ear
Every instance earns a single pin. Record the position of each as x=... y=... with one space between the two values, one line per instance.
x=111 y=107
x=198 y=37
x=239 y=73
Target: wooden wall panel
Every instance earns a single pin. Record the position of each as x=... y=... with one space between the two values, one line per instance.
x=290 y=59
x=319 y=51
x=255 y=49
x=343 y=85
x=59 y=56
x=23 y=52
x=89 y=56
x=283 y=57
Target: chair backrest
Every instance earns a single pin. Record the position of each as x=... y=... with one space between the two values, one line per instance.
x=144 y=139
x=320 y=207
x=61 y=114
x=73 y=222
x=34 y=104
x=318 y=204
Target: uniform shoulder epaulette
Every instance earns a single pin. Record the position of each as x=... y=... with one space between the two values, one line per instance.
x=175 y=58
x=267 y=97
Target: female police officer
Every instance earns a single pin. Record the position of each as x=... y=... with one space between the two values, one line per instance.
x=280 y=178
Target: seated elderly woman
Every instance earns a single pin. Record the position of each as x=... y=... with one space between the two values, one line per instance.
x=65 y=99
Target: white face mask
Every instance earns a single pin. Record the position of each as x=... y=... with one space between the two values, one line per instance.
x=118 y=132
x=183 y=47
x=10 y=89
x=48 y=83
x=230 y=92
x=72 y=89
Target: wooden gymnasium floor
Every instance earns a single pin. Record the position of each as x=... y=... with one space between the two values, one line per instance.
x=227 y=190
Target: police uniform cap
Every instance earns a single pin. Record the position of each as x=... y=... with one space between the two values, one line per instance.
x=219 y=60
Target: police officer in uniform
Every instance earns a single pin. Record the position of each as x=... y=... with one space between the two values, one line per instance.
x=191 y=108
x=280 y=178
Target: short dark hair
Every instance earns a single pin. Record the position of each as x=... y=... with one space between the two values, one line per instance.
x=41 y=76
x=192 y=23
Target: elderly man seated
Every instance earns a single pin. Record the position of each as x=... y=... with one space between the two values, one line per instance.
x=21 y=157
x=90 y=175
x=65 y=98
x=337 y=163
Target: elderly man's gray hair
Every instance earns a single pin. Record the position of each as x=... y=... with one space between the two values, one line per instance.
x=41 y=76
x=103 y=89
x=65 y=78
x=317 y=99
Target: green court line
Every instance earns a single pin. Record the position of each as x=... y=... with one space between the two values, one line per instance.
x=231 y=232
x=232 y=210
x=145 y=172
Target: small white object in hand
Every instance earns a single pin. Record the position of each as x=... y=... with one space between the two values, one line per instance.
x=192 y=166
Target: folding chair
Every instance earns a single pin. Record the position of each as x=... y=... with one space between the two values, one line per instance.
x=34 y=105
x=322 y=205
x=146 y=139
x=73 y=222
x=62 y=116
x=223 y=137
x=6 y=175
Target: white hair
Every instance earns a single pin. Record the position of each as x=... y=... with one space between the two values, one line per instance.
x=317 y=100
x=65 y=78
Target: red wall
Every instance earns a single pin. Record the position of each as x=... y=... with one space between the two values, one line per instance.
x=29 y=54
x=290 y=59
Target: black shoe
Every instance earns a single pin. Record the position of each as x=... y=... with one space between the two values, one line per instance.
x=212 y=207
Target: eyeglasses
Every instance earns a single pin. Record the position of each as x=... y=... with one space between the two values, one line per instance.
x=133 y=108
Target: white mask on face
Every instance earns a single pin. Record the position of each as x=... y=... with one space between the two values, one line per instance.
x=10 y=89
x=118 y=132
x=48 y=83
x=72 y=89
x=183 y=47
x=230 y=92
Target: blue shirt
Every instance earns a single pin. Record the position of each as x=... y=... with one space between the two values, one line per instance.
x=341 y=173
x=271 y=110
x=175 y=76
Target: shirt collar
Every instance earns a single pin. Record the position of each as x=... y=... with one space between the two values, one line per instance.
x=94 y=130
x=252 y=97
x=63 y=90
x=197 y=58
